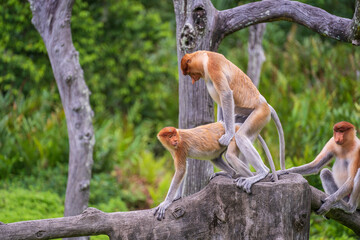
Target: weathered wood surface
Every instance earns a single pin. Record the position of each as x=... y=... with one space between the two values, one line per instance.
x=316 y=19
x=52 y=21
x=275 y=210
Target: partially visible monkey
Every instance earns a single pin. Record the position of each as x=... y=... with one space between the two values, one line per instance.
x=199 y=143
x=235 y=93
x=344 y=179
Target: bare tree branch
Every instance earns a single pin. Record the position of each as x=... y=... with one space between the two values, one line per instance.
x=352 y=221
x=314 y=18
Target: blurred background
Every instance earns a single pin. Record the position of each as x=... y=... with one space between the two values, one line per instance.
x=128 y=54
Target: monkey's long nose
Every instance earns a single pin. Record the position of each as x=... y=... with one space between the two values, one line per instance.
x=339 y=140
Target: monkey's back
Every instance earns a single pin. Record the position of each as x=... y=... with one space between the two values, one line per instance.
x=203 y=141
x=245 y=93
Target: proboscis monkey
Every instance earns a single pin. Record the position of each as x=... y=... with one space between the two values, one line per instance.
x=344 y=179
x=235 y=93
x=199 y=143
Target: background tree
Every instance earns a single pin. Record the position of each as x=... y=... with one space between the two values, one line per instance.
x=52 y=20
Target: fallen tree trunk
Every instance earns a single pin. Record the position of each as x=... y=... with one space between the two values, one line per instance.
x=278 y=210
x=275 y=210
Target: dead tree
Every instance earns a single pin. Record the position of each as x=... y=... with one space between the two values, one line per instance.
x=52 y=21
x=199 y=26
x=219 y=211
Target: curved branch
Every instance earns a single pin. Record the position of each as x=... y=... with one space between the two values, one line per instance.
x=314 y=18
x=352 y=221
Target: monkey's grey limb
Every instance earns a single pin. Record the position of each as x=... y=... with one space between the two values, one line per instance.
x=220 y=116
x=179 y=192
x=352 y=205
x=328 y=181
x=239 y=120
x=220 y=163
x=227 y=103
x=246 y=147
x=269 y=158
x=280 y=130
x=246 y=183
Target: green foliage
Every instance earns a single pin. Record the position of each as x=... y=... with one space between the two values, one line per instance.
x=32 y=133
x=19 y=204
x=128 y=54
x=129 y=58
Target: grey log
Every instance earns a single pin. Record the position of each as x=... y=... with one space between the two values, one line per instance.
x=275 y=210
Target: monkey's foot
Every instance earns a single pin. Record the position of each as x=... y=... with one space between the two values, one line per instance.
x=222 y=173
x=226 y=139
x=325 y=207
x=348 y=208
x=160 y=210
x=245 y=183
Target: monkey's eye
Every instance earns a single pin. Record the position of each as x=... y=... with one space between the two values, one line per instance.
x=188 y=61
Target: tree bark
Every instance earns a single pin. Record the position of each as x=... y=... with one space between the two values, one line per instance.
x=256 y=52
x=194 y=28
x=52 y=21
x=316 y=19
x=220 y=211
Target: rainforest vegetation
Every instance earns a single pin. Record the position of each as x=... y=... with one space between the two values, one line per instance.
x=128 y=55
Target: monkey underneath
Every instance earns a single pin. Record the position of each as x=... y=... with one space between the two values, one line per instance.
x=199 y=143
x=344 y=179
x=235 y=93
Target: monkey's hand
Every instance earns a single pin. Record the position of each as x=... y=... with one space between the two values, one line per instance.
x=160 y=210
x=326 y=206
x=244 y=184
x=226 y=139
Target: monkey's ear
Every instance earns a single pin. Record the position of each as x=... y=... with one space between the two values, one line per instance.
x=184 y=64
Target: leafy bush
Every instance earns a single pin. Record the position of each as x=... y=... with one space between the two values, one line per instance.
x=20 y=204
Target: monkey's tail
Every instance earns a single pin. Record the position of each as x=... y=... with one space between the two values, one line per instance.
x=276 y=119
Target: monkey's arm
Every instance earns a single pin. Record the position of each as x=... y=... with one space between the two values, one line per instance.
x=175 y=183
x=315 y=166
x=227 y=108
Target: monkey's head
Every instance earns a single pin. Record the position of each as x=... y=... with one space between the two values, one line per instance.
x=190 y=65
x=169 y=137
x=343 y=131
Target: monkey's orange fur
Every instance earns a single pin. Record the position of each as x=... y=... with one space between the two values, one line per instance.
x=235 y=93
x=200 y=143
x=215 y=67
